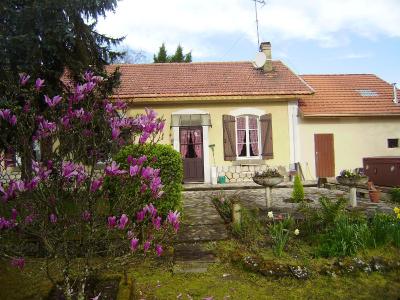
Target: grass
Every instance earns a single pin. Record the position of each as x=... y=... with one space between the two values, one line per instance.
x=224 y=280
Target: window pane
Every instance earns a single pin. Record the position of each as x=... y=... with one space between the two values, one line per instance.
x=242 y=150
x=254 y=149
x=241 y=136
x=253 y=123
x=253 y=134
x=241 y=123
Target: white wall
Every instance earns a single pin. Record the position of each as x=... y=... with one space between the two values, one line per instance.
x=354 y=139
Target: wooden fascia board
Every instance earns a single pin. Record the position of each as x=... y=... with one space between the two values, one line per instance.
x=209 y=99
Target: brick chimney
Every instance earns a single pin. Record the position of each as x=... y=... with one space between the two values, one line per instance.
x=265 y=47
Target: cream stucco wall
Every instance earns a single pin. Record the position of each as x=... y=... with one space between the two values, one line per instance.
x=280 y=127
x=354 y=139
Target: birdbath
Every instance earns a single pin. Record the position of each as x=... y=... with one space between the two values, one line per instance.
x=268 y=183
x=352 y=181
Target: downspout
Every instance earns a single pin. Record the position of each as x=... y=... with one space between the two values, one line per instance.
x=395 y=99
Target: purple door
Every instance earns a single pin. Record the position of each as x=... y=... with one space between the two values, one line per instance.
x=191 y=148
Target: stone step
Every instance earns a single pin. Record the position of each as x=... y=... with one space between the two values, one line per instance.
x=202 y=233
x=191 y=266
x=192 y=252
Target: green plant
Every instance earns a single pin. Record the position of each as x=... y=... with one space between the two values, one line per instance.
x=223 y=204
x=381 y=228
x=250 y=229
x=395 y=195
x=270 y=172
x=350 y=174
x=162 y=157
x=330 y=210
x=298 y=190
x=280 y=234
x=345 y=238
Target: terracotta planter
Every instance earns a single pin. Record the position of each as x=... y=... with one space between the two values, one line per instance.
x=352 y=181
x=375 y=196
x=267 y=181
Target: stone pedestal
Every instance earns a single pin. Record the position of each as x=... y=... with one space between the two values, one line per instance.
x=353 y=196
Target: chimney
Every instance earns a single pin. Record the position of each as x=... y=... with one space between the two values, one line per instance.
x=265 y=47
x=395 y=99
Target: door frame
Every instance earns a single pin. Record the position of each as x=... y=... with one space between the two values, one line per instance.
x=206 y=149
x=316 y=158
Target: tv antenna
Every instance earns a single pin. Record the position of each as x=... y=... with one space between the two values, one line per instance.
x=262 y=2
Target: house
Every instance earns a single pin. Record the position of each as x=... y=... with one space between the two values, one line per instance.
x=232 y=118
x=349 y=117
x=227 y=115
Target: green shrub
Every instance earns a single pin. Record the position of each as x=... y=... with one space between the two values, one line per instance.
x=250 y=229
x=298 y=190
x=223 y=205
x=330 y=210
x=280 y=234
x=395 y=195
x=346 y=237
x=162 y=157
x=381 y=227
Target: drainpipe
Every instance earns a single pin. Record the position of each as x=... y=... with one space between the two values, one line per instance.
x=395 y=99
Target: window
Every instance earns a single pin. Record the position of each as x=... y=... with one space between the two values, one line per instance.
x=393 y=143
x=247 y=136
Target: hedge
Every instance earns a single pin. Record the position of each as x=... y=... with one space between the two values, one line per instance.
x=169 y=161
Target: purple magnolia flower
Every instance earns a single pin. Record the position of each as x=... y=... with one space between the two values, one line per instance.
x=18 y=262
x=115 y=132
x=150 y=209
x=159 y=250
x=142 y=159
x=112 y=222
x=14 y=214
x=86 y=216
x=121 y=105
x=28 y=219
x=143 y=138
x=146 y=246
x=6 y=224
x=109 y=108
x=114 y=170
x=140 y=216
x=65 y=121
x=147 y=172
x=155 y=185
x=133 y=170
x=53 y=218
x=52 y=102
x=39 y=84
x=173 y=219
x=157 y=223
x=23 y=78
x=143 y=188
x=123 y=221
x=13 y=120
x=134 y=244
x=96 y=184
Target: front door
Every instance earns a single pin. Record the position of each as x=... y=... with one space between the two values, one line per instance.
x=191 y=148
x=324 y=155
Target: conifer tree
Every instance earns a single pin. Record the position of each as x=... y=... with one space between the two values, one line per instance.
x=178 y=57
x=161 y=56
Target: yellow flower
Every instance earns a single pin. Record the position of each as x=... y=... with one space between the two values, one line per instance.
x=297 y=232
x=398 y=215
x=396 y=210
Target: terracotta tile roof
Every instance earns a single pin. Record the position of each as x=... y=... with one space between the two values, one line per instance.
x=206 y=79
x=348 y=94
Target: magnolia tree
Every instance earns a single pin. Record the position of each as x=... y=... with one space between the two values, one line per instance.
x=60 y=203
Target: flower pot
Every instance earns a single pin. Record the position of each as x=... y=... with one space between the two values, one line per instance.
x=375 y=196
x=267 y=181
x=352 y=181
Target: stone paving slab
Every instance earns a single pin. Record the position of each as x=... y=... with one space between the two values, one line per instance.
x=239 y=185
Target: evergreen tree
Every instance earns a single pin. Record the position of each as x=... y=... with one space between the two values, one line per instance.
x=298 y=190
x=43 y=38
x=161 y=55
x=178 y=57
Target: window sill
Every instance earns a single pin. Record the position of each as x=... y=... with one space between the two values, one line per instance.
x=246 y=161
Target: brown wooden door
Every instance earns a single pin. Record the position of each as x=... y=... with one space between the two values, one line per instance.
x=324 y=155
x=191 y=148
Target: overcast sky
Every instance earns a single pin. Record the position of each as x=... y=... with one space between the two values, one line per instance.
x=311 y=36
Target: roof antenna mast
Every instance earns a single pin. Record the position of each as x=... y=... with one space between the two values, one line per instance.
x=262 y=2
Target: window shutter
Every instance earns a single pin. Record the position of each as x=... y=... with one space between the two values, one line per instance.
x=266 y=136
x=229 y=137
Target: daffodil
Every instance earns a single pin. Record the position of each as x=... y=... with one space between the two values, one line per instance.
x=396 y=210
